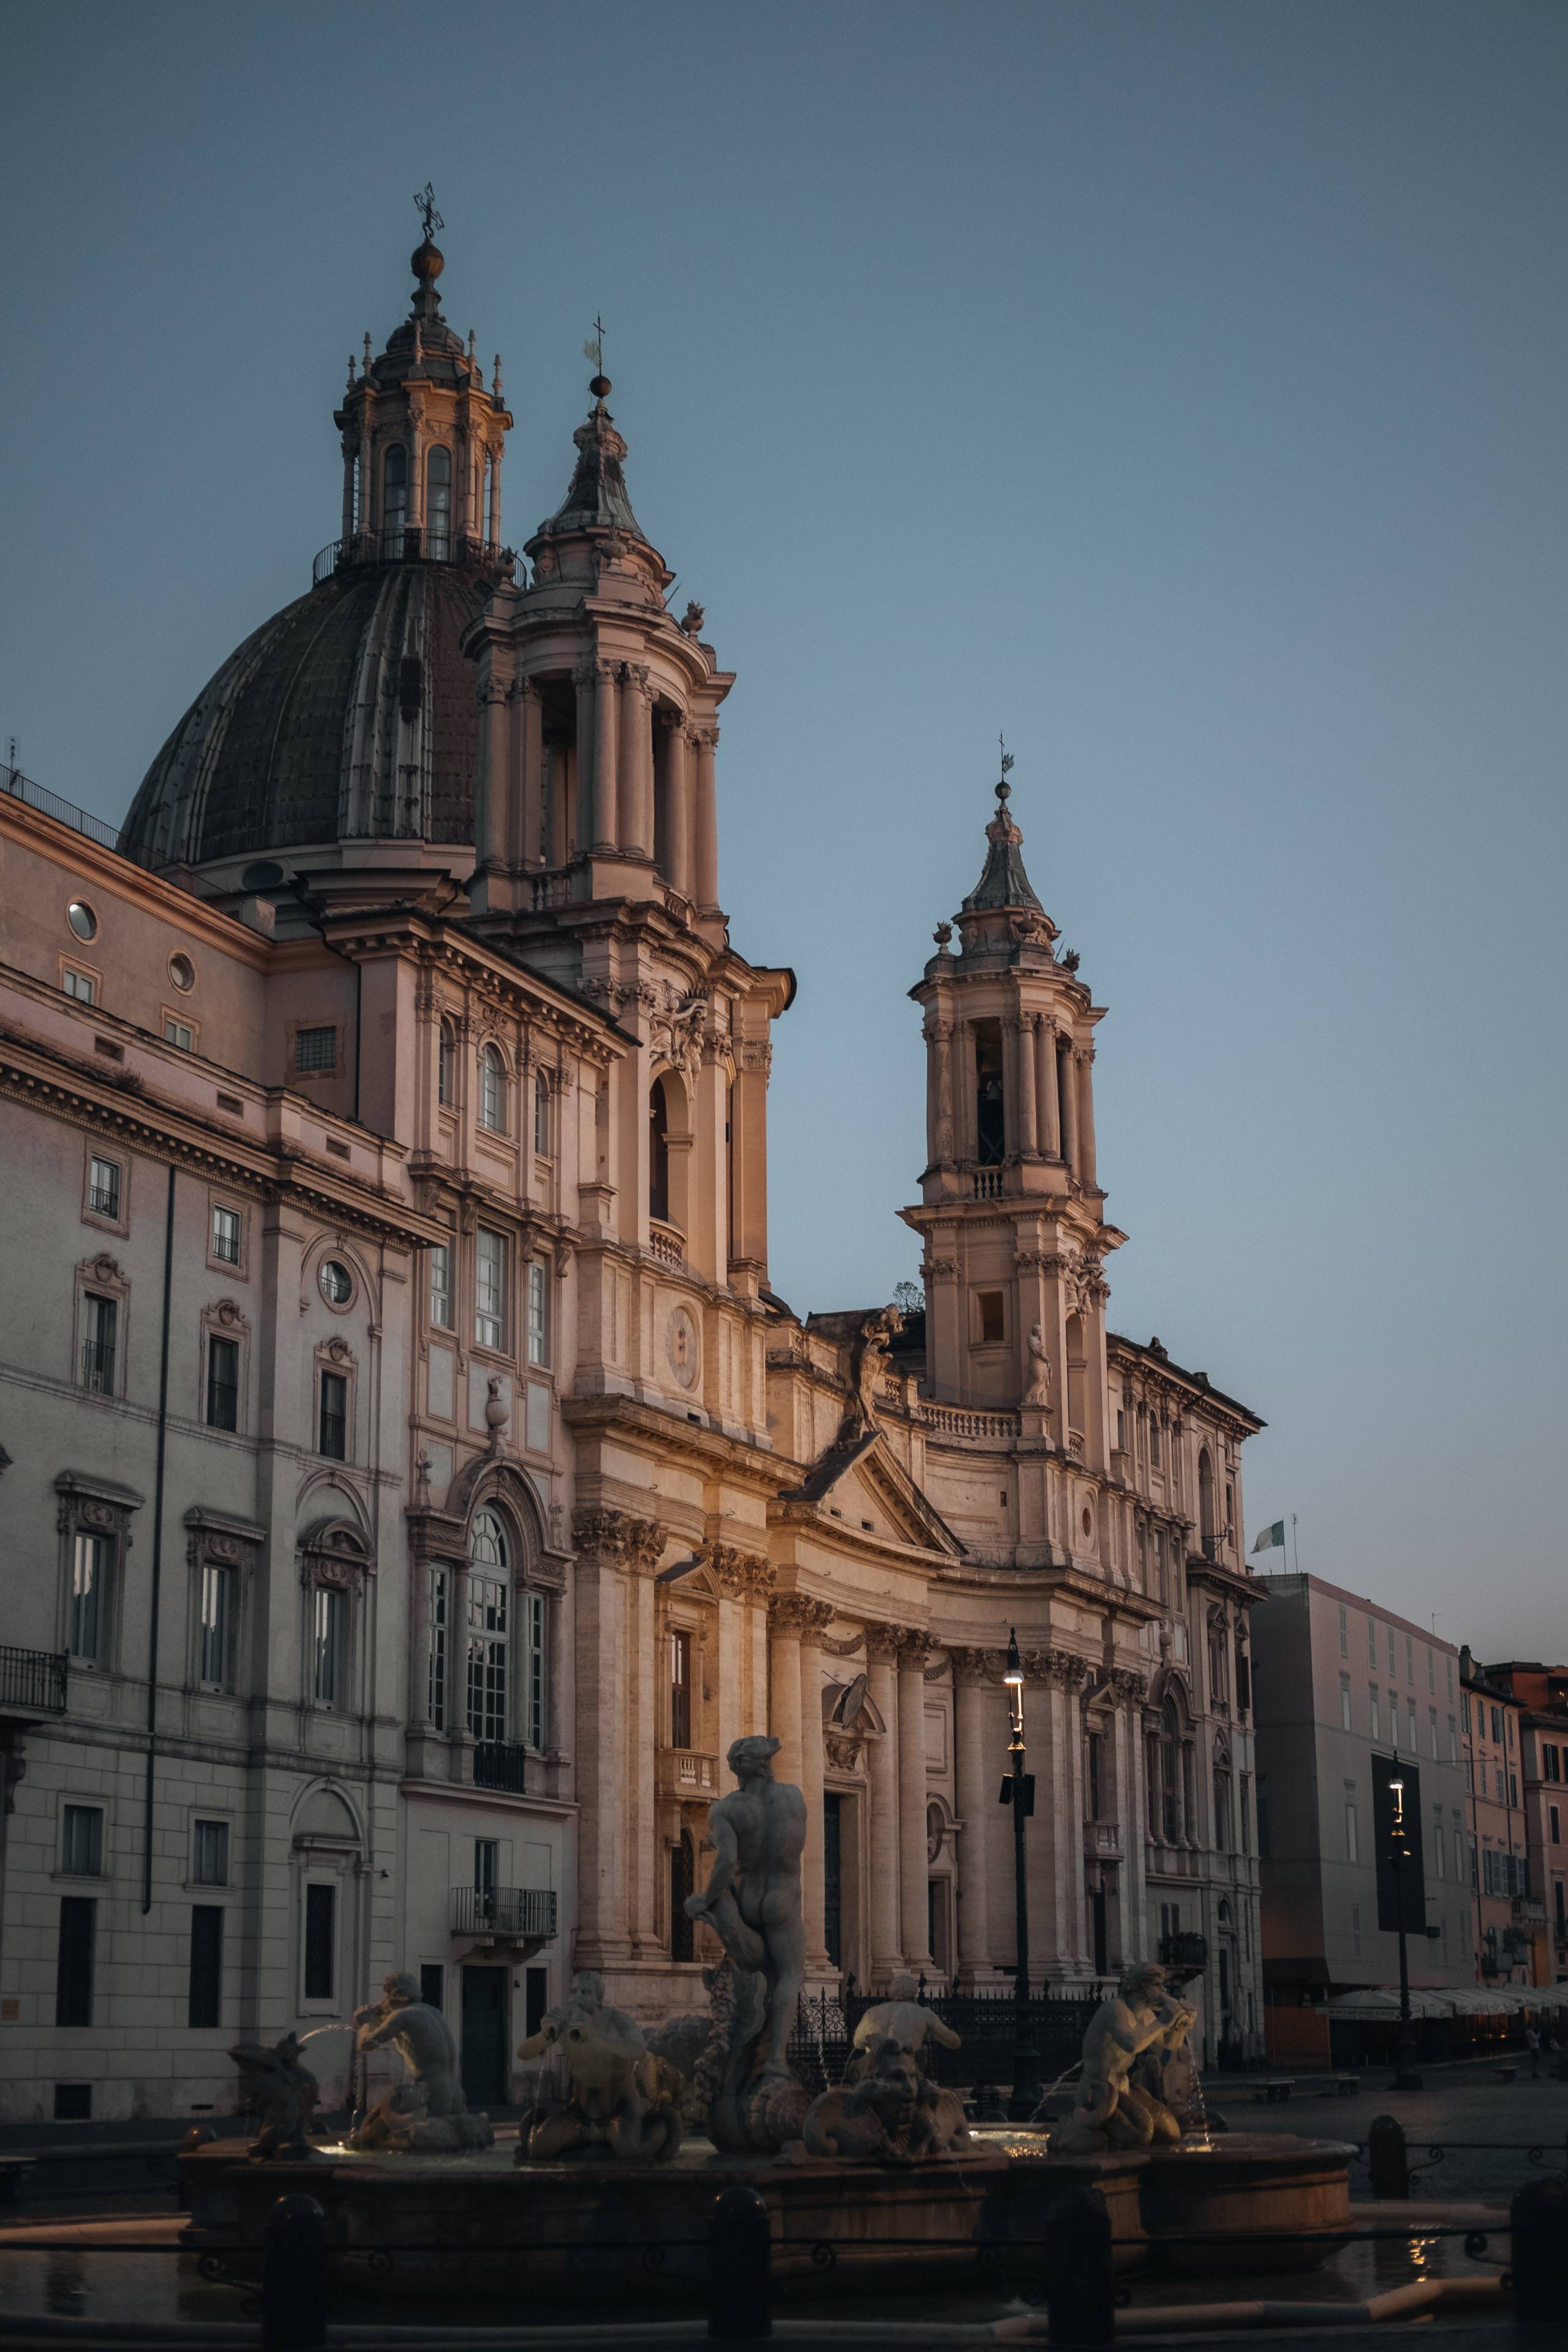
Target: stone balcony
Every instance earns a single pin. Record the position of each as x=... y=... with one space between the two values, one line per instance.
x=687 y=1774
x=1102 y=1841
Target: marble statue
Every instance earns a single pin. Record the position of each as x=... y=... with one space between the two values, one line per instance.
x=427 y=2115
x=1113 y=2110
x=903 y=2020
x=890 y=2114
x=753 y=1903
x=1038 y=1395
x=279 y=2096
x=622 y=2096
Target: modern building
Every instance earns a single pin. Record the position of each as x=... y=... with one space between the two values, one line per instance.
x=414 y=1482
x=1538 y=1904
x=1504 y=1905
x=1351 y=1699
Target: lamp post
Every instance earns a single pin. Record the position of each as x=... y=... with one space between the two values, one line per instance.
x=1018 y=1790
x=1405 y=2077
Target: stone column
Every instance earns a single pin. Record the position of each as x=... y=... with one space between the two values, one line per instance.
x=494 y=734
x=606 y=796
x=913 y=1868
x=786 y=1616
x=1067 y=1073
x=706 y=828
x=1012 y=1140
x=493 y=531
x=1047 y=1109
x=881 y=1658
x=976 y=1769
x=963 y=1121
x=1086 y=1114
x=942 y=1032
x=678 y=808
x=1027 y=1115
x=531 y=848
x=351 y=452
x=610 y=1544
x=643 y=1741
x=637 y=761
x=815 y=1618
x=586 y=679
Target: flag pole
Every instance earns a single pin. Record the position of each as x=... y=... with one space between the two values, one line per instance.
x=1294 y=1545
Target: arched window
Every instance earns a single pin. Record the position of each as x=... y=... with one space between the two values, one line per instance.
x=447 y=1066
x=990 y=1108
x=492 y=1090
x=658 y=1152
x=542 y=1115
x=394 y=498
x=1217 y=1690
x=1206 y=1503
x=439 y=504
x=488 y=1628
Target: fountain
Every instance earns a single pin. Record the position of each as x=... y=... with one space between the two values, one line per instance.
x=876 y=2181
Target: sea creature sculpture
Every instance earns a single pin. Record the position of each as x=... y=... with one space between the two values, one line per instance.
x=891 y=2114
x=279 y=2096
x=622 y=2096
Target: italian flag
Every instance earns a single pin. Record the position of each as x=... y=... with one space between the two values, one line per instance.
x=1271 y=1537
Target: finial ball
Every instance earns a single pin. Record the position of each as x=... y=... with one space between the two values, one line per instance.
x=599 y=386
x=427 y=262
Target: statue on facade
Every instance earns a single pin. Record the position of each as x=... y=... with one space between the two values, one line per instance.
x=867 y=1362
x=427 y=2114
x=753 y=1903
x=890 y=2114
x=901 y=2020
x=279 y=2096
x=1038 y=1395
x=1113 y=2111
x=622 y=2096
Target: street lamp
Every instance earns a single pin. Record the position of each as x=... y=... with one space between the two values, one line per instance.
x=1018 y=1790
x=1405 y=2078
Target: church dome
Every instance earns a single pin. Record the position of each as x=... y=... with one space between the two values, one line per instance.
x=350 y=715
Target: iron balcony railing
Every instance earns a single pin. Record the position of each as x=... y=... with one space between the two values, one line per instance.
x=23 y=788
x=413 y=543
x=501 y=1764
x=1185 y=1951
x=510 y=1914
x=98 y=1366
x=33 y=1680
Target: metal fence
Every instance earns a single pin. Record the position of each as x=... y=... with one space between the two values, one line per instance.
x=23 y=788
x=33 y=1678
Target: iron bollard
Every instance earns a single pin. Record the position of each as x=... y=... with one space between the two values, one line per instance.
x=1538 y=2216
x=1388 y=2158
x=1079 y=2297
x=294 y=2277
x=739 y=2248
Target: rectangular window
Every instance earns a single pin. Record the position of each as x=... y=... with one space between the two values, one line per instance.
x=316 y=1049
x=1372 y=1708
x=680 y=1689
x=1393 y=1721
x=489 y=1634
x=320 y=1974
x=1393 y=1653
x=1344 y=1702
x=103 y=1187
x=223 y=1383
x=1437 y=1871
x=541 y=1117
x=441 y=1287
x=209 y=1854
x=1453 y=1742
x=206 y=1999
x=1561 y=1909
x=1352 y=1841
x=100 y=1325
x=334 y=1433
x=538 y=1312
x=1431 y=1671
x=1508 y=1726
x=1513 y=1788
x=1497 y=1775
x=81 y=985
x=1449 y=1663
x=1409 y=1658
x=1496 y=1727
x=486 y=1854
x=534 y=1665
x=90 y=1571
x=1554 y=1820
x=1154 y=1442
x=81 y=1842
x=177 y=1032
x=988 y=1305
x=214 y=1665
x=1370 y=1642
x=1432 y=1729
x=226 y=1237
x=1246 y=1815
x=433 y=1984
x=1344 y=1633
x=1464 y=1709
x=1551 y=1763
x=489 y=1289
x=329 y=1626
x=1415 y=1742
x=438 y=1702
x=73 y=1962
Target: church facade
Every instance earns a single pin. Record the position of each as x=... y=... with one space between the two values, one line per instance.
x=413 y=1481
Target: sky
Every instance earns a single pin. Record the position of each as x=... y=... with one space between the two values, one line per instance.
x=1175 y=389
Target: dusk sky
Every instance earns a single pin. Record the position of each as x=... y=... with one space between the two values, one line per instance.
x=1178 y=389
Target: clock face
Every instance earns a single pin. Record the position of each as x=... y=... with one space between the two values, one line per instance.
x=337 y=1285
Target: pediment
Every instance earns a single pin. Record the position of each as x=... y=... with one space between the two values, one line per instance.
x=860 y=1480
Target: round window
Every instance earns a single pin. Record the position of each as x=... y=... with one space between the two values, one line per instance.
x=1088 y=1523
x=182 y=972
x=337 y=1283
x=82 y=919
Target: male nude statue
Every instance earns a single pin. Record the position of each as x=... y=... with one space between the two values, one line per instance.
x=1112 y=2110
x=751 y=1899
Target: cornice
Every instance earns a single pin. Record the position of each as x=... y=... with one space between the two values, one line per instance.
x=628 y=1419
x=123 y=878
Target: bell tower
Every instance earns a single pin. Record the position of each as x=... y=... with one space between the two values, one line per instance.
x=1011 y=1207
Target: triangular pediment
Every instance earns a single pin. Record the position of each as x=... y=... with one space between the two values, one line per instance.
x=860 y=1481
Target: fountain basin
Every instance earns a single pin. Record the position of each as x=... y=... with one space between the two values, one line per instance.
x=1250 y=2183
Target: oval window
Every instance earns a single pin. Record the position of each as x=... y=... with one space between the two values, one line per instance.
x=82 y=919
x=337 y=1284
x=182 y=972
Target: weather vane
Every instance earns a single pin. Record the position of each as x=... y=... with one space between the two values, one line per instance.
x=1006 y=763
x=425 y=199
x=594 y=349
